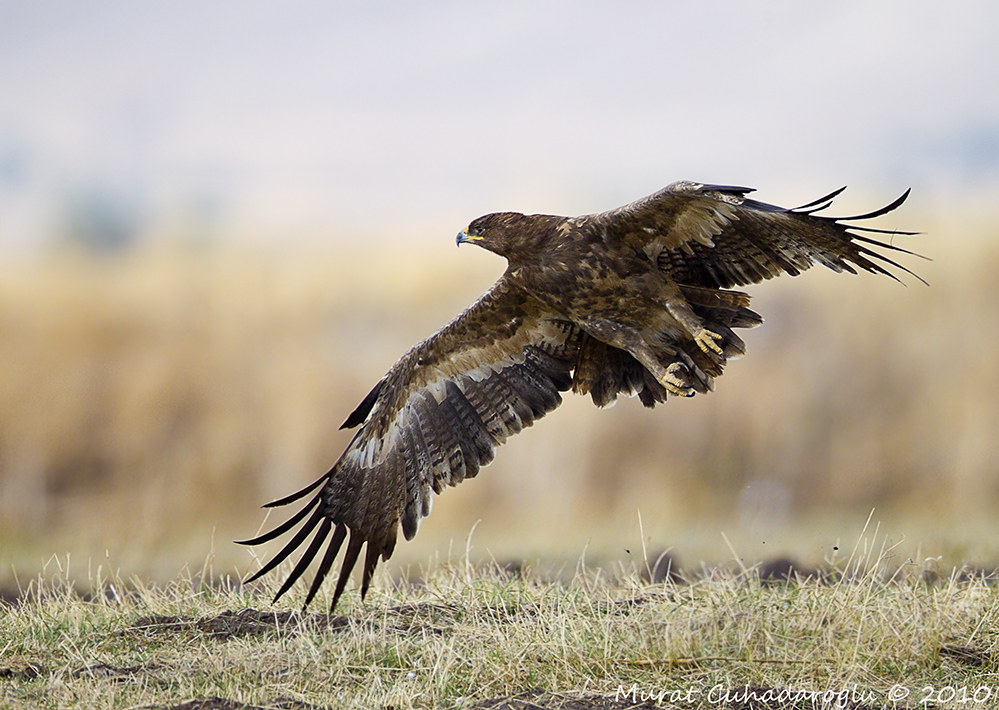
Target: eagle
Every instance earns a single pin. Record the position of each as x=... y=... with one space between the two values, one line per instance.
x=638 y=300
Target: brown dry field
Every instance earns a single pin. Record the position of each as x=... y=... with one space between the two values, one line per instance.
x=150 y=403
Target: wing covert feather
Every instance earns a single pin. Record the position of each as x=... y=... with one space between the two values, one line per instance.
x=713 y=236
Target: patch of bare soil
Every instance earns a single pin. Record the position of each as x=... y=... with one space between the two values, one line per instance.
x=224 y=704
x=408 y=619
x=974 y=657
x=24 y=673
x=102 y=670
x=232 y=624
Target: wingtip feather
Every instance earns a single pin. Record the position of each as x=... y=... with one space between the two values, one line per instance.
x=349 y=560
x=298 y=495
x=324 y=567
x=292 y=545
x=306 y=559
x=824 y=201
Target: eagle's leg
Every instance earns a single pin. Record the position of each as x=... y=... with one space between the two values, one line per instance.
x=706 y=340
x=668 y=295
x=675 y=377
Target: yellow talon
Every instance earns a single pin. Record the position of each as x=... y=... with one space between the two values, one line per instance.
x=708 y=342
x=677 y=381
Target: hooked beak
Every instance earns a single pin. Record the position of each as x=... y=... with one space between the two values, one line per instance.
x=464 y=237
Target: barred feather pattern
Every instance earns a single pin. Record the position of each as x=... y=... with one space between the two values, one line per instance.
x=712 y=236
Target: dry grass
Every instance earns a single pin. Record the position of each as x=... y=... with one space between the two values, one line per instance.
x=869 y=632
x=149 y=404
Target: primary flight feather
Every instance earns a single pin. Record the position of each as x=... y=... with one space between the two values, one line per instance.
x=636 y=300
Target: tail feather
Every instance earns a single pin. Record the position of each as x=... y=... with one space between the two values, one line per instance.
x=714 y=297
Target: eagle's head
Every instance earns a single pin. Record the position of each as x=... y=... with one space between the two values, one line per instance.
x=510 y=234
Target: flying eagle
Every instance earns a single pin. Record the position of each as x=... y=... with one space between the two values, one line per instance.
x=636 y=300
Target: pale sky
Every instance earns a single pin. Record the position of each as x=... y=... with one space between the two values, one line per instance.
x=295 y=121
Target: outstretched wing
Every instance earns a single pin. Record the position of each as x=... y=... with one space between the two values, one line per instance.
x=714 y=236
x=432 y=421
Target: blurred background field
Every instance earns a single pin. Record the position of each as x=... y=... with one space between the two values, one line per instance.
x=220 y=225
x=150 y=402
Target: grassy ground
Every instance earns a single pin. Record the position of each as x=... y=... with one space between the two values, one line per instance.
x=860 y=635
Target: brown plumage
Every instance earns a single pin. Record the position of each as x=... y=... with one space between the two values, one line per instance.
x=633 y=301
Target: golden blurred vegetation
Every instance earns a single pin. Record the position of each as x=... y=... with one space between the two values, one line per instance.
x=151 y=401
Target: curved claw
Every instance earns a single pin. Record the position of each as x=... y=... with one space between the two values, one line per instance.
x=708 y=342
x=677 y=380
